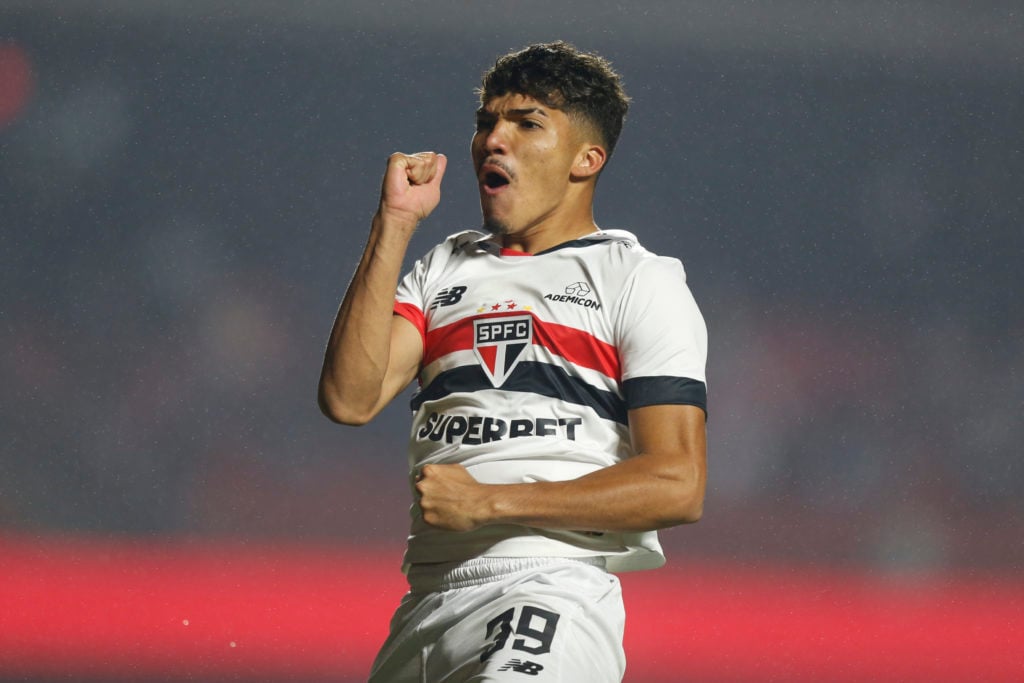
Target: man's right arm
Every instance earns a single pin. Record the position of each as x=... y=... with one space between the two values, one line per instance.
x=372 y=354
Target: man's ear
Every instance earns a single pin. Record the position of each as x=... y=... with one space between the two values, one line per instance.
x=589 y=162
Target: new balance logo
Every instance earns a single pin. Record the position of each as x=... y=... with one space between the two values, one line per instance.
x=519 y=666
x=449 y=296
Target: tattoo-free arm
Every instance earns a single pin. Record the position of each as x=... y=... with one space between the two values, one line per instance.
x=372 y=354
x=661 y=486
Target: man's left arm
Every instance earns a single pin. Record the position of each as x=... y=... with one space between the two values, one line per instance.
x=661 y=486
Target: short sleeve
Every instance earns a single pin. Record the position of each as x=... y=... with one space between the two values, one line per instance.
x=415 y=289
x=661 y=337
x=409 y=296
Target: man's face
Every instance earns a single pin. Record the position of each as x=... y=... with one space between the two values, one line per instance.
x=523 y=152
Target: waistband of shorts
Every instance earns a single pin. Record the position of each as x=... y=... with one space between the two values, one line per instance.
x=444 y=576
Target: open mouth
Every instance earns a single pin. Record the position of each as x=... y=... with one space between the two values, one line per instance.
x=494 y=176
x=493 y=180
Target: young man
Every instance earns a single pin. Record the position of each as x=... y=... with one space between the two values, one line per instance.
x=560 y=419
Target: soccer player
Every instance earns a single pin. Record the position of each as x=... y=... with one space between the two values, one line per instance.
x=560 y=416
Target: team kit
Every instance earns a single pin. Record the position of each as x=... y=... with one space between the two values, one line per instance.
x=545 y=353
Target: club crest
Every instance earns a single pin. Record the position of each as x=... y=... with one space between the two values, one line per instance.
x=500 y=343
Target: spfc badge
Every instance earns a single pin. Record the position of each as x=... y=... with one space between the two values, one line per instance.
x=500 y=343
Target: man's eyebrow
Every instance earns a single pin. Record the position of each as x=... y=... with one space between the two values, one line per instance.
x=524 y=111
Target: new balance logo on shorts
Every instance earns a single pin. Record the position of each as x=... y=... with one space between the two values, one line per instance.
x=519 y=666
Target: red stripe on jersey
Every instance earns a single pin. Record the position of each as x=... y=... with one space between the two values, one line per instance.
x=413 y=315
x=513 y=252
x=576 y=346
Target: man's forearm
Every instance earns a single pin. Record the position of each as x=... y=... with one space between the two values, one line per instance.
x=358 y=350
x=624 y=497
x=641 y=494
x=359 y=372
x=663 y=485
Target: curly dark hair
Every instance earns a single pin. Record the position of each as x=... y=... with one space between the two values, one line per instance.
x=581 y=84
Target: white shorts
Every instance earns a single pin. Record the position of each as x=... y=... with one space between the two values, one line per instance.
x=507 y=620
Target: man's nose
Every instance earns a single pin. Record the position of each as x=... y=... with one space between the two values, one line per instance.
x=497 y=138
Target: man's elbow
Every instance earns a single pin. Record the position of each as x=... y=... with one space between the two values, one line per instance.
x=691 y=512
x=336 y=409
x=688 y=505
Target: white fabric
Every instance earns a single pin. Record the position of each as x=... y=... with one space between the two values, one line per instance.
x=525 y=359
x=506 y=620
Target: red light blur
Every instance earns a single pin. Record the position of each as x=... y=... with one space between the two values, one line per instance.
x=179 y=610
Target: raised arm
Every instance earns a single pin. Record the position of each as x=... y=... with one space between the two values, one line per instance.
x=661 y=486
x=372 y=354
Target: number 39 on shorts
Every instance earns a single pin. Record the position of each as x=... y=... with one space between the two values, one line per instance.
x=534 y=631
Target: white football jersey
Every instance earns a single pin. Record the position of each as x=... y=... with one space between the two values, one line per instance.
x=530 y=364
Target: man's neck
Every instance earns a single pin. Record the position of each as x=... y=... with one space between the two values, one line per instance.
x=553 y=230
x=543 y=240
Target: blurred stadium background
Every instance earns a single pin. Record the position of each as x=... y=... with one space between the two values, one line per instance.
x=184 y=191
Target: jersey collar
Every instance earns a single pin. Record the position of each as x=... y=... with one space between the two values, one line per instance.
x=599 y=237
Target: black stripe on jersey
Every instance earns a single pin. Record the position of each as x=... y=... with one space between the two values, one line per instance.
x=528 y=377
x=574 y=243
x=490 y=246
x=649 y=391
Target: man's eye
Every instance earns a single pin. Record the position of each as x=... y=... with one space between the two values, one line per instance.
x=527 y=123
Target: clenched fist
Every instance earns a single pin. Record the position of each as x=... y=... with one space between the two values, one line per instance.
x=451 y=498
x=412 y=186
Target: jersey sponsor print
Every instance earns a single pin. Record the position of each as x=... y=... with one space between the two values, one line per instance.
x=530 y=366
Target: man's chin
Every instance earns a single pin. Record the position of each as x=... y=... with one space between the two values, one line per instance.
x=495 y=226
